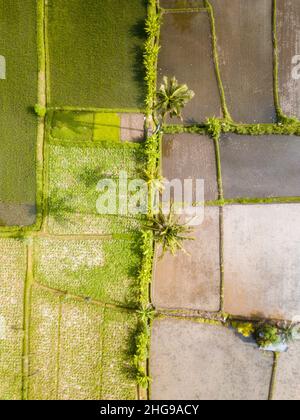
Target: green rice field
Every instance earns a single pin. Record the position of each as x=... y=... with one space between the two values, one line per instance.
x=105 y=68
x=18 y=93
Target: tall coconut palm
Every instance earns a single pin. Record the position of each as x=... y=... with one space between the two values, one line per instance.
x=172 y=98
x=169 y=232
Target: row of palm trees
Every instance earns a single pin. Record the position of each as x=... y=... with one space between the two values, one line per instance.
x=171 y=98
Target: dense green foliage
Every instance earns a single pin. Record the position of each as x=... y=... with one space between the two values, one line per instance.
x=268 y=335
x=151 y=50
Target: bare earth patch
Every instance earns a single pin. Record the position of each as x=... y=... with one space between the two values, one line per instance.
x=192 y=361
x=260 y=166
x=288 y=32
x=190 y=156
x=132 y=127
x=261 y=257
x=244 y=33
x=186 y=53
x=192 y=281
x=288 y=375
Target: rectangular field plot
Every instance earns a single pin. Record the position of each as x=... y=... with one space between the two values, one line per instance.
x=18 y=93
x=44 y=345
x=85 y=127
x=261 y=166
x=261 y=254
x=74 y=173
x=79 y=351
x=97 y=61
x=288 y=32
x=12 y=278
x=186 y=53
x=191 y=280
x=104 y=270
x=190 y=156
x=244 y=34
x=204 y=362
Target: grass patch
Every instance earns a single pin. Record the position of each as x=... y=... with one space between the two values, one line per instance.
x=104 y=270
x=104 y=70
x=12 y=278
x=107 y=127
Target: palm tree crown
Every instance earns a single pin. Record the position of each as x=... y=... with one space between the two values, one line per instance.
x=172 y=97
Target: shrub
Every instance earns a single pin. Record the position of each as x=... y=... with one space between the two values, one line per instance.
x=246 y=329
x=140 y=357
x=268 y=335
x=214 y=127
x=40 y=110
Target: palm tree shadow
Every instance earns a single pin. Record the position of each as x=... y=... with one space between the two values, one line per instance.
x=138 y=32
x=59 y=206
x=70 y=120
x=90 y=177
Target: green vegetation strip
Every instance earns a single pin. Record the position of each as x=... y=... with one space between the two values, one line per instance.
x=215 y=127
x=269 y=200
x=274 y=376
x=153 y=155
x=151 y=51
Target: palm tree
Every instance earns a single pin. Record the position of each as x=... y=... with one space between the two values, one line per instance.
x=169 y=232
x=172 y=98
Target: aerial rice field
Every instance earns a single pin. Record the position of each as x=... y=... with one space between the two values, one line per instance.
x=79 y=317
x=18 y=93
